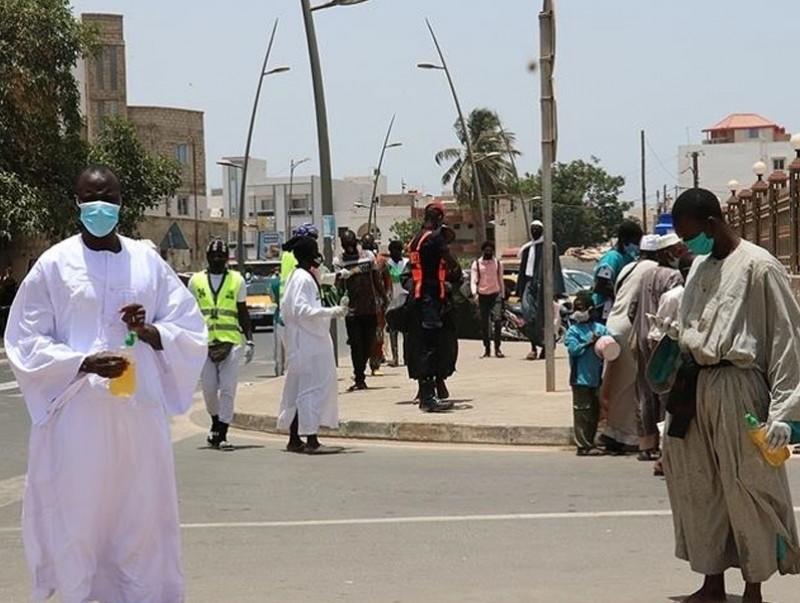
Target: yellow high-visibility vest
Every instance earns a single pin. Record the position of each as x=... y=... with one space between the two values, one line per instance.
x=219 y=311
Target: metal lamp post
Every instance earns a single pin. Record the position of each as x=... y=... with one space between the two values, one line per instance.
x=462 y=121
x=373 y=206
x=322 y=117
x=293 y=163
x=262 y=74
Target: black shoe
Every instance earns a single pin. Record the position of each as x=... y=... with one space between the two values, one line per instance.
x=358 y=385
x=486 y=354
x=441 y=390
x=430 y=401
x=499 y=354
x=298 y=447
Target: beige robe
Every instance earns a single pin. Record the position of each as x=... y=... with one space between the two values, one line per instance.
x=619 y=379
x=730 y=508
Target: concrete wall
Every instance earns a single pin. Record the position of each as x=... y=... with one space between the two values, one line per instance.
x=720 y=163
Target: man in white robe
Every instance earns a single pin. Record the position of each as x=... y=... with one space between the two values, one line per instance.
x=309 y=398
x=741 y=325
x=618 y=393
x=100 y=511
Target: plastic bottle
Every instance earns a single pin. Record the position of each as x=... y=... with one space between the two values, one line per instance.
x=758 y=434
x=124 y=386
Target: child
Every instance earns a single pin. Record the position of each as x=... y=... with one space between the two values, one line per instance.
x=586 y=368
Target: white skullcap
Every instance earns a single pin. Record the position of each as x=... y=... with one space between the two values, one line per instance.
x=649 y=243
x=668 y=240
x=537 y=223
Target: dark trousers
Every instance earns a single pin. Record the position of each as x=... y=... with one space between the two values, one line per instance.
x=360 y=338
x=585 y=415
x=431 y=314
x=490 y=308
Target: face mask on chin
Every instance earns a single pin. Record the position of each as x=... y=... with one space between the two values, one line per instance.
x=99 y=218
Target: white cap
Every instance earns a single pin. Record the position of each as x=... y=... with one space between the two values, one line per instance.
x=649 y=243
x=668 y=240
x=537 y=223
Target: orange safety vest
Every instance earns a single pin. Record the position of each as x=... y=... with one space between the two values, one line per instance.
x=416 y=267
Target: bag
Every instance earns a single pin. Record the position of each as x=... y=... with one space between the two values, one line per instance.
x=663 y=365
x=682 y=397
x=218 y=351
x=399 y=312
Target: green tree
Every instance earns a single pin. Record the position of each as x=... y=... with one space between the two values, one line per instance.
x=404 y=230
x=587 y=205
x=491 y=145
x=40 y=123
x=146 y=180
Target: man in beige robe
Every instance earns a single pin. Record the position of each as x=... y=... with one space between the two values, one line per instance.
x=618 y=394
x=741 y=325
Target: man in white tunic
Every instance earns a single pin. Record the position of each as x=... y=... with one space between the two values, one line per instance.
x=100 y=512
x=309 y=393
x=618 y=390
x=741 y=326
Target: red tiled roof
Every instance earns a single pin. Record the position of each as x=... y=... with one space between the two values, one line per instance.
x=742 y=121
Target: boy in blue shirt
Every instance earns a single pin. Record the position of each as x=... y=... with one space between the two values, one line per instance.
x=586 y=369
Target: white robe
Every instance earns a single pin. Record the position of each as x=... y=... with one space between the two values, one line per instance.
x=309 y=390
x=100 y=512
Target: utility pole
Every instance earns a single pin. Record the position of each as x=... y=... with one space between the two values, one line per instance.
x=644 y=187
x=666 y=202
x=195 y=260
x=547 y=48
x=695 y=170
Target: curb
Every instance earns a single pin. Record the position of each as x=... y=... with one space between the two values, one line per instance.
x=452 y=433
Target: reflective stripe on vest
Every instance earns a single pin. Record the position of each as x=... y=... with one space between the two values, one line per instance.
x=416 y=267
x=220 y=313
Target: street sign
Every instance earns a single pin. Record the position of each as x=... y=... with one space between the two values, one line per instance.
x=269 y=245
x=328 y=227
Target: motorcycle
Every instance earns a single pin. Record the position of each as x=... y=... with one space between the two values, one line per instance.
x=513 y=327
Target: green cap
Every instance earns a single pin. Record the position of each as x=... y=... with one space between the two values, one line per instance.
x=751 y=420
x=130 y=339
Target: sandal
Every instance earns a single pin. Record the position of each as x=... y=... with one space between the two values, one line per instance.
x=648 y=455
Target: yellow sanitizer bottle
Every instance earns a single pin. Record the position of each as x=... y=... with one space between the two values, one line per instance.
x=758 y=435
x=124 y=386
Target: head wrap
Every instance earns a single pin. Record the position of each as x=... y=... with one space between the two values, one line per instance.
x=307 y=229
x=217 y=246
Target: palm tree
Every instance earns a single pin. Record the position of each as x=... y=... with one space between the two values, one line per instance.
x=491 y=145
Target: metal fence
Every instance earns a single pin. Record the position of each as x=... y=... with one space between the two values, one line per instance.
x=768 y=214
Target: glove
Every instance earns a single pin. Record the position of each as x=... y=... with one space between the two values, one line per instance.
x=344 y=273
x=778 y=434
x=249 y=351
x=339 y=311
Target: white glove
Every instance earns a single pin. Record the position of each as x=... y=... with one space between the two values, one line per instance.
x=340 y=311
x=249 y=351
x=344 y=273
x=778 y=434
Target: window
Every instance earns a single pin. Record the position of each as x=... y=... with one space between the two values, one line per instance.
x=298 y=205
x=112 y=67
x=754 y=133
x=182 y=154
x=267 y=204
x=99 y=72
x=778 y=163
x=183 y=206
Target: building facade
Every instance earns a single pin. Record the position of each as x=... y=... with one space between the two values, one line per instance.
x=730 y=149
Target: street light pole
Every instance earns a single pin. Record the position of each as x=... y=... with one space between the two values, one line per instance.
x=262 y=74
x=470 y=154
x=373 y=206
x=287 y=204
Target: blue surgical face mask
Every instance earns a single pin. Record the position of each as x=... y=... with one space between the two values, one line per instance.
x=702 y=244
x=632 y=249
x=99 y=217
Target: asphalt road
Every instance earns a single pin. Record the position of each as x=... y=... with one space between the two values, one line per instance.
x=398 y=523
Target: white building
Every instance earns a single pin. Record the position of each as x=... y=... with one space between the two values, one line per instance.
x=729 y=151
x=276 y=206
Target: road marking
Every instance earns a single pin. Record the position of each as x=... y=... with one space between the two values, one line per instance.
x=421 y=519
x=8 y=385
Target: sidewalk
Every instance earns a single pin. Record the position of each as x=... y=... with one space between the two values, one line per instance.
x=497 y=401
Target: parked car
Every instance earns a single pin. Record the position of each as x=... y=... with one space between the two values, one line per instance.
x=260 y=304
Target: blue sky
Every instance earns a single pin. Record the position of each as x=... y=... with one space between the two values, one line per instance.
x=669 y=67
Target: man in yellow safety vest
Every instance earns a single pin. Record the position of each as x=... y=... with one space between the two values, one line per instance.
x=222 y=295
